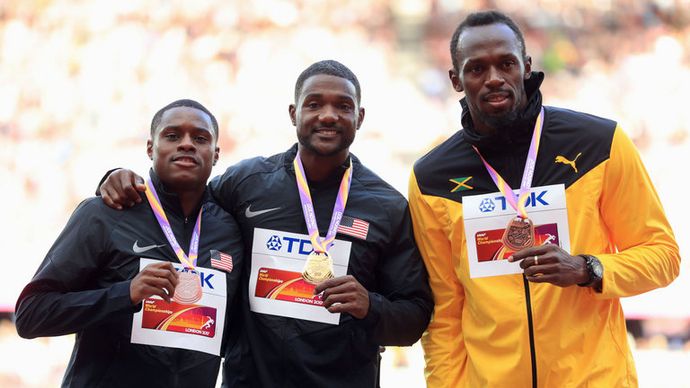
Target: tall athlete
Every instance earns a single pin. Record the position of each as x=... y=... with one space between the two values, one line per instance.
x=556 y=319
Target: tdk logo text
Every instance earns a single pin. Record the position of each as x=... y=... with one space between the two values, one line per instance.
x=274 y=243
x=291 y=244
x=203 y=277
x=534 y=200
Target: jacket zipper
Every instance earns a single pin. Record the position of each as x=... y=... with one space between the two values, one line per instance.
x=530 y=324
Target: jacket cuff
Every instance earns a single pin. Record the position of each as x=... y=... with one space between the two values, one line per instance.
x=107 y=174
x=374 y=314
x=120 y=297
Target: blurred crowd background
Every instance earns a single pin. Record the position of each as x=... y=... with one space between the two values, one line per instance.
x=80 y=81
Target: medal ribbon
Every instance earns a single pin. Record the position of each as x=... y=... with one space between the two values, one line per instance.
x=518 y=202
x=187 y=261
x=321 y=245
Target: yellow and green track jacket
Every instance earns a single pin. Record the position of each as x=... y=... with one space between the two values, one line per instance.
x=502 y=331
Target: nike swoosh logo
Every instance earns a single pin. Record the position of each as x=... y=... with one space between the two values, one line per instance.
x=137 y=249
x=250 y=214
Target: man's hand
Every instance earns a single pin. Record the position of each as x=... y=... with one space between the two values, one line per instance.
x=121 y=189
x=551 y=264
x=155 y=279
x=344 y=295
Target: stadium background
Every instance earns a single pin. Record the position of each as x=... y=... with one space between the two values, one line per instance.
x=80 y=80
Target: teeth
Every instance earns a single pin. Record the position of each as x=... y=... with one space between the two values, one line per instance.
x=496 y=98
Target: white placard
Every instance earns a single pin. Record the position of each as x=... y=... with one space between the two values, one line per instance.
x=276 y=285
x=197 y=326
x=486 y=216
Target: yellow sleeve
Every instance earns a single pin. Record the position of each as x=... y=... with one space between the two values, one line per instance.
x=647 y=254
x=443 y=342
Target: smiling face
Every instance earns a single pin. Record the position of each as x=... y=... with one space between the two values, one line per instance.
x=326 y=116
x=183 y=148
x=491 y=73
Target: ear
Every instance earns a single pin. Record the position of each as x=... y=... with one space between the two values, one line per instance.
x=528 y=67
x=455 y=80
x=216 y=154
x=360 y=117
x=149 y=148
x=293 y=111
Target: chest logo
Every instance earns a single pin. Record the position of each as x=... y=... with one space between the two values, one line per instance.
x=460 y=184
x=571 y=163
x=253 y=213
x=138 y=249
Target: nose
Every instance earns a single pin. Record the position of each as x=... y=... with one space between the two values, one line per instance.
x=186 y=143
x=495 y=77
x=328 y=114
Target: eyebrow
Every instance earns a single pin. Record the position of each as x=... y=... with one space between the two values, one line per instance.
x=177 y=127
x=339 y=96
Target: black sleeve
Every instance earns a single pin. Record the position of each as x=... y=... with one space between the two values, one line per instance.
x=58 y=300
x=105 y=176
x=401 y=310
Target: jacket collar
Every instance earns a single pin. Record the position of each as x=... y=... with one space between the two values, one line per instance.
x=334 y=179
x=520 y=132
x=170 y=201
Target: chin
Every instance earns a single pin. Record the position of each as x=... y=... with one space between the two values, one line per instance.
x=500 y=121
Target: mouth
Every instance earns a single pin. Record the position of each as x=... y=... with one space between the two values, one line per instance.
x=328 y=132
x=498 y=100
x=185 y=160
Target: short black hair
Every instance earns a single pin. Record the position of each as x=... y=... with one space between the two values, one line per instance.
x=186 y=103
x=328 y=67
x=484 y=18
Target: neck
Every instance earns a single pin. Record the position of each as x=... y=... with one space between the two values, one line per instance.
x=189 y=200
x=317 y=167
x=482 y=128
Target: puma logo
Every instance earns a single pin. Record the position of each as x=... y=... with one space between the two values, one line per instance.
x=571 y=163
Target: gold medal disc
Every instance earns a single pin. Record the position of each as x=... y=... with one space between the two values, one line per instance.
x=519 y=234
x=319 y=267
x=188 y=290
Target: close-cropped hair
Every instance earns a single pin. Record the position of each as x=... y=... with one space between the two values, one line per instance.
x=327 y=67
x=182 y=103
x=484 y=18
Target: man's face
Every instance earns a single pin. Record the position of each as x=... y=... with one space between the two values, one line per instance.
x=326 y=115
x=183 y=148
x=491 y=74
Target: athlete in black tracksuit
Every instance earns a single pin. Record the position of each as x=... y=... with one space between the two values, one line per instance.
x=83 y=287
x=291 y=352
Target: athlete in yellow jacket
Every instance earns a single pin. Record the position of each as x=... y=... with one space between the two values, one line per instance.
x=560 y=324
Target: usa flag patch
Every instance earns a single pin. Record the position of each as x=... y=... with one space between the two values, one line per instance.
x=354 y=227
x=221 y=261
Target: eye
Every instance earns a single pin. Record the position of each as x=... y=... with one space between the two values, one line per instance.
x=171 y=136
x=346 y=107
x=312 y=105
x=509 y=63
x=201 y=139
x=475 y=69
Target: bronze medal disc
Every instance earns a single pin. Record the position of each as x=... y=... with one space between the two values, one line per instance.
x=188 y=290
x=519 y=234
x=319 y=267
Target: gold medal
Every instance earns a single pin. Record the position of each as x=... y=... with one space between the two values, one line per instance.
x=188 y=290
x=319 y=267
x=519 y=234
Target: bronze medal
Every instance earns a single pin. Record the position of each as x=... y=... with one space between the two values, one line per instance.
x=188 y=290
x=519 y=234
x=319 y=267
